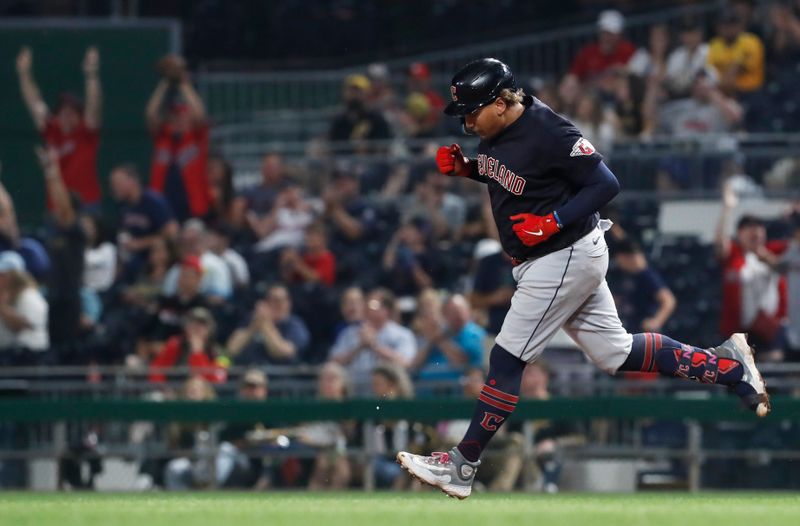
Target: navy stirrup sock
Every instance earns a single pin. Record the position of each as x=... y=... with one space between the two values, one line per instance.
x=496 y=402
x=656 y=353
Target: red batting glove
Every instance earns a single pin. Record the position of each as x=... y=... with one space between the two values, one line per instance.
x=451 y=161
x=533 y=229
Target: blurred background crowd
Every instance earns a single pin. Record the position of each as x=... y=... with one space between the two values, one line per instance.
x=332 y=259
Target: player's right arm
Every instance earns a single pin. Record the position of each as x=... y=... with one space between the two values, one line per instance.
x=722 y=240
x=94 y=93
x=451 y=161
x=63 y=211
x=30 y=91
x=152 y=112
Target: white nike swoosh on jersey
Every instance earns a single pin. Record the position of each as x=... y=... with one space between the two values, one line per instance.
x=539 y=233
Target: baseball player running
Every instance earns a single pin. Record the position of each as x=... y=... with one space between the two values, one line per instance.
x=546 y=184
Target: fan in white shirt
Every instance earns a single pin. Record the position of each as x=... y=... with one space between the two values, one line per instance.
x=23 y=309
x=100 y=257
x=687 y=60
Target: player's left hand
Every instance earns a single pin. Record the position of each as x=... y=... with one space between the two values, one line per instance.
x=532 y=229
x=451 y=161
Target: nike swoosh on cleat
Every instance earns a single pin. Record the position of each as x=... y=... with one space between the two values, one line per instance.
x=434 y=469
x=539 y=233
x=594 y=241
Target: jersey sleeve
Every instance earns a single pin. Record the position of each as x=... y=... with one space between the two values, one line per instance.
x=568 y=152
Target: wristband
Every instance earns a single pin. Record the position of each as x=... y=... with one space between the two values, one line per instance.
x=559 y=224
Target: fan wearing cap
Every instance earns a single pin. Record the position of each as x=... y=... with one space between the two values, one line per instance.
x=194 y=348
x=179 y=168
x=419 y=81
x=609 y=50
x=357 y=123
x=72 y=130
x=239 y=464
x=23 y=310
x=172 y=305
x=217 y=283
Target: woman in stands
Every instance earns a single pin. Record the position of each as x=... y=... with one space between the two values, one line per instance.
x=23 y=314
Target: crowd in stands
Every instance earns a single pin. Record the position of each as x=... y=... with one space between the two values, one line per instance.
x=385 y=278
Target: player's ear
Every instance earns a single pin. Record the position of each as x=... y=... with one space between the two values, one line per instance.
x=500 y=106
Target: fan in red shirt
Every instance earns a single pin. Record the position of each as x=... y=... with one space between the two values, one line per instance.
x=315 y=264
x=180 y=138
x=754 y=296
x=610 y=50
x=419 y=81
x=72 y=131
x=193 y=349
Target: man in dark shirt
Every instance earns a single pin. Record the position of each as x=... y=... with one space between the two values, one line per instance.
x=272 y=335
x=350 y=217
x=546 y=184
x=168 y=319
x=66 y=246
x=144 y=216
x=239 y=464
x=357 y=123
x=260 y=199
x=643 y=299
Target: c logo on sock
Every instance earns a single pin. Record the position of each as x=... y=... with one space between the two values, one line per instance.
x=491 y=421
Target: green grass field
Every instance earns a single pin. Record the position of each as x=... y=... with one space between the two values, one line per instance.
x=389 y=509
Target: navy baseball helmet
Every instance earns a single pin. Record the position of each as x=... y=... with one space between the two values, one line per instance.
x=477 y=84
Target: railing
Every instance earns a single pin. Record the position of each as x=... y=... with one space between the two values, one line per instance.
x=288 y=412
x=282 y=416
x=230 y=95
x=569 y=379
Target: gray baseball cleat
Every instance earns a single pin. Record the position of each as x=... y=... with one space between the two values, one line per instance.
x=737 y=348
x=450 y=472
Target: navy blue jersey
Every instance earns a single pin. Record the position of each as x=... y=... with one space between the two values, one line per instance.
x=535 y=165
x=147 y=217
x=635 y=296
